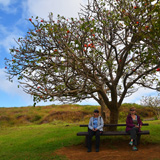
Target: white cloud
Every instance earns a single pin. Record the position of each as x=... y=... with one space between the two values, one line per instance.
x=5 y=2
x=42 y=8
x=135 y=97
x=7 y=38
x=89 y=102
x=6 y=5
x=11 y=88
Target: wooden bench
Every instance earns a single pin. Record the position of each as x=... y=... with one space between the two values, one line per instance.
x=115 y=133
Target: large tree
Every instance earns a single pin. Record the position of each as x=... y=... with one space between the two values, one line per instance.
x=107 y=53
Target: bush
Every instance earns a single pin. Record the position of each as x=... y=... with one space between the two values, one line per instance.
x=35 y=118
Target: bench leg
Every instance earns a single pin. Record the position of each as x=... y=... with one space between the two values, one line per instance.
x=86 y=141
x=138 y=139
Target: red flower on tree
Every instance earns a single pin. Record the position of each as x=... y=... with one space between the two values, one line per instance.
x=146 y=27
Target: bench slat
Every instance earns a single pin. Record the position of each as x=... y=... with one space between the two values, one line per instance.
x=106 y=125
x=113 y=133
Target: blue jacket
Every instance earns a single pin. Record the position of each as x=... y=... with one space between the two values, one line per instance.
x=100 y=123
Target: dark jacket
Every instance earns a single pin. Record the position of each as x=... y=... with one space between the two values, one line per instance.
x=129 y=122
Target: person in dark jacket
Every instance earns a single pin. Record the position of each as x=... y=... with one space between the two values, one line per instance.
x=133 y=126
x=95 y=127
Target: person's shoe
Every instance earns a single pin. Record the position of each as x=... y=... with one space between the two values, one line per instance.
x=89 y=150
x=131 y=143
x=97 y=149
x=134 y=149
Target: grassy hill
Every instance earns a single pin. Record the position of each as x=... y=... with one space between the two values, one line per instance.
x=56 y=113
x=35 y=133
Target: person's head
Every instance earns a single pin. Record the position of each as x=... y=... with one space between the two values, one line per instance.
x=96 y=112
x=133 y=110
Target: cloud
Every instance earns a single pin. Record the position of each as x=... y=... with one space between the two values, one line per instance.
x=13 y=91
x=7 y=38
x=6 y=5
x=41 y=8
x=136 y=97
x=5 y=2
x=89 y=102
x=11 y=88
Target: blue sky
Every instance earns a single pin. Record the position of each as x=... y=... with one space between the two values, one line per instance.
x=14 y=15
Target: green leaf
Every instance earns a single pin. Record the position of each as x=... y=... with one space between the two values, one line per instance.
x=34 y=104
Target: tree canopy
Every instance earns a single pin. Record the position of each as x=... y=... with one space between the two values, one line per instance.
x=107 y=53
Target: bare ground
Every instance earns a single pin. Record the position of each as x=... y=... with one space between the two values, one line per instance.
x=112 y=151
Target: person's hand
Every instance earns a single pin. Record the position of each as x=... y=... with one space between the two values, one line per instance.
x=140 y=126
x=94 y=129
x=136 y=126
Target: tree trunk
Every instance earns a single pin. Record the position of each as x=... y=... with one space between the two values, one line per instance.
x=114 y=115
x=113 y=106
x=103 y=109
x=104 y=116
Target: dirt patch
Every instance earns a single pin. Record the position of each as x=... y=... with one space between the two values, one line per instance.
x=112 y=151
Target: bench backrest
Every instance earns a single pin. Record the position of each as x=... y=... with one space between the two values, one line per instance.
x=106 y=125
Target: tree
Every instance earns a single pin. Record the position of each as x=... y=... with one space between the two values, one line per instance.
x=153 y=102
x=107 y=53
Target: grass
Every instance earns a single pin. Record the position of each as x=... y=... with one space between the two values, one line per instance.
x=153 y=137
x=36 y=142
x=41 y=114
x=154 y=127
x=22 y=138
x=18 y=116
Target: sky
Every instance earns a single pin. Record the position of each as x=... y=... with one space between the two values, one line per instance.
x=14 y=15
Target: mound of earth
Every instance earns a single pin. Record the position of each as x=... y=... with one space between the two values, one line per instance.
x=112 y=151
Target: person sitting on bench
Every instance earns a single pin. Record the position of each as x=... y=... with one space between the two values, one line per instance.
x=95 y=127
x=133 y=126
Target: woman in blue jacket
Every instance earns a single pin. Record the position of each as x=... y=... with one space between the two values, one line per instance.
x=95 y=127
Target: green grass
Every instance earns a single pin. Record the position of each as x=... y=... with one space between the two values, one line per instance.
x=154 y=127
x=153 y=137
x=25 y=140
x=36 y=142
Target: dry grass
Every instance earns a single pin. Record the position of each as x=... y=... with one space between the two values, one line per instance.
x=53 y=113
